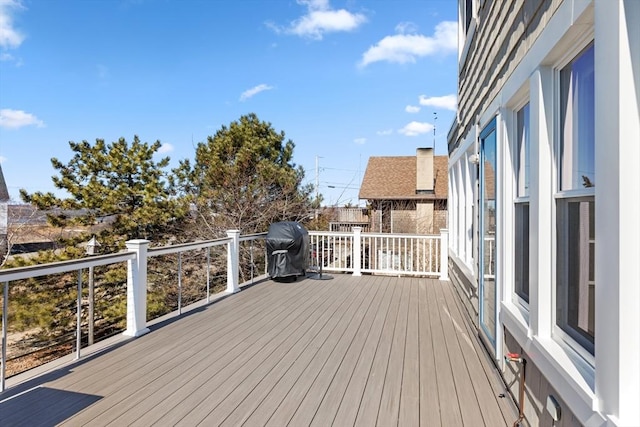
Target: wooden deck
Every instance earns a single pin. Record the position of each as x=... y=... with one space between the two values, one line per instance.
x=360 y=351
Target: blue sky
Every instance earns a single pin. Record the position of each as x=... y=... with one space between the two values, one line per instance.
x=345 y=80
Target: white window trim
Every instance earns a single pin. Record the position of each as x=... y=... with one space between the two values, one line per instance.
x=466 y=36
x=520 y=99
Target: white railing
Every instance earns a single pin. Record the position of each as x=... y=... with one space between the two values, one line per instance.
x=137 y=255
x=21 y=273
x=489 y=255
x=354 y=252
x=380 y=253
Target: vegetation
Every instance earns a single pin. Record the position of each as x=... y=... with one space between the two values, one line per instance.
x=119 y=183
x=243 y=177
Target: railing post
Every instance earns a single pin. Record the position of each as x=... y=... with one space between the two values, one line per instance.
x=137 y=289
x=5 y=329
x=233 y=261
x=79 y=316
x=356 y=256
x=444 y=254
x=208 y=274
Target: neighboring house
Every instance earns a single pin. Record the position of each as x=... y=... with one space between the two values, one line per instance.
x=544 y=208
x=407 y=194
x=345 y=218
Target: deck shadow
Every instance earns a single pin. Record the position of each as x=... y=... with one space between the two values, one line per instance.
x=43 y=406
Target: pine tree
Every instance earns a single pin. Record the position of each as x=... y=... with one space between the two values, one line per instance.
x=119 y=182
x=244 y=178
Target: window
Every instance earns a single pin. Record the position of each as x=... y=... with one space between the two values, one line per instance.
x=468 y=14
x=577 y=138
x=575 y=202
x=521 y=206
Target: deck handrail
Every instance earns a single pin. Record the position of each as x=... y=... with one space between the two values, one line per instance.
x=136 y=256
x=19 y=273
x=354 y=252
x=381 y=253
x=182 y=247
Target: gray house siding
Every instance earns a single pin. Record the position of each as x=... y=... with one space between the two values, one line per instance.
x=527 y=108
x=508 y=31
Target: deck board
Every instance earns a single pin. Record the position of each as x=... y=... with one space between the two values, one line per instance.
x=215 y=380
x=449 y=407
x=354 y=371
x=250 y=394
x=467 y=400
x=484 y=381
x=303 y=349
x=390 y=399
x=410 y=396
x=370 y=350
x=371 y=399
x=323 y=361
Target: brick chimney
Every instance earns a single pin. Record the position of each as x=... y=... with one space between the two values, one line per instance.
x=424 y=170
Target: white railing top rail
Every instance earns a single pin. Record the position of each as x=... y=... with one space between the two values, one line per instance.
x=254 y=236
x=20 y=273
x=183 y=247
x=402 y=235
x=330 y=233
x=376 y=234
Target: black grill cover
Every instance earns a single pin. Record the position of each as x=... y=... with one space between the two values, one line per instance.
x=287 y=249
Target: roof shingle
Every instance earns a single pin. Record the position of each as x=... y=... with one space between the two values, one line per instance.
x=394 y=178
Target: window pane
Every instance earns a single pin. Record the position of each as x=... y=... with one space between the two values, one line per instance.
x=523 y=151
x=468 y=14
x=577 y=157
x=522 y=251
x=575 y=282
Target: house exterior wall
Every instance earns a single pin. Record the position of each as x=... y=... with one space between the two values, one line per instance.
x=537 y=389
x=511 y=56
x=409 y=216
x=425 y=218
x=403 y=221
x=507 y=32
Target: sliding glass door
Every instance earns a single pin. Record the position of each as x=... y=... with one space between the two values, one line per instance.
x=487 y=242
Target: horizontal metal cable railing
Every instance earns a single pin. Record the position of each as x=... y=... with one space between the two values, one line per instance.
x=181 y=274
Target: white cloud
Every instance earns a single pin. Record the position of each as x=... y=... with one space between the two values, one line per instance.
x=10 y=37
x=321 y=19
x=385 y=132
x=315 y=4
x=3 y=159
x=416 y=128
x=412 y=109
x=14 y=119
x=165 y=148
x=254 y=91
x=448 y=102
x=402 y=48
x=406 y=28
x=4 y=56
x=360 y=141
